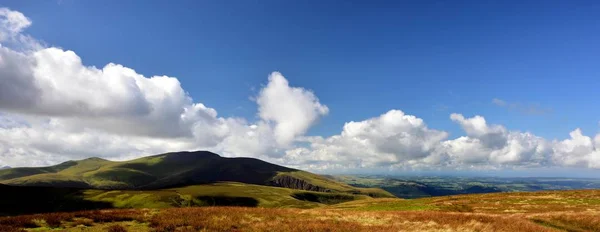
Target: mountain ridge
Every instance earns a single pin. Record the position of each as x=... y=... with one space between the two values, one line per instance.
x=175 y=169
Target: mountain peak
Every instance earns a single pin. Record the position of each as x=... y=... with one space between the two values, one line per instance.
x=189 y=155
x=94 y=159
x=174 y=169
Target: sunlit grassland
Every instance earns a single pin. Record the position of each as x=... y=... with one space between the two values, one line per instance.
x=516 y=202
x=216 y=195
x=271 y=219
x=539 y=211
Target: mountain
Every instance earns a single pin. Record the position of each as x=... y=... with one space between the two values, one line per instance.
x=175 y=169
x=5 y=167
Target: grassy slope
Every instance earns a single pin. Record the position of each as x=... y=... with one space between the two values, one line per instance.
x=516 y=202
x=540 y=211
x=167 y=170
x=335 y=185
x=23 y=200
x=215 y=194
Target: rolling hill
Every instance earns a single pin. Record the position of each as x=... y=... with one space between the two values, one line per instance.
x=172 y=170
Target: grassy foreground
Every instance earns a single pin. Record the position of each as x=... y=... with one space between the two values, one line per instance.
x=540 y=211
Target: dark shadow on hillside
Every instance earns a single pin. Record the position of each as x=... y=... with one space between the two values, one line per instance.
x=6 y=174
x=16 y=200
x=227 y=201
x=204 y=168
x=325 y=198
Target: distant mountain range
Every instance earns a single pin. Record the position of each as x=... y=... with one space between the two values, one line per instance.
x=175 y=169
x=5 y=167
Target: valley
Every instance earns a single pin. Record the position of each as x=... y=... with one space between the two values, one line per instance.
x=431 y=186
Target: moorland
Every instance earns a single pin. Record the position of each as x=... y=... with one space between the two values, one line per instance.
x=202 y=191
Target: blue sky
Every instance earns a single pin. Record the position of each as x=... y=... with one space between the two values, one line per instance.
x=539 y=60
x=427 y=58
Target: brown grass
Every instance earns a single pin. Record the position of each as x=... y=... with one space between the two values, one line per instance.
x=116 y=228
x=523 y=202
x=291 y=220
x=588 y=221
x=548 y=211
x=284 y=220
x=70 y=219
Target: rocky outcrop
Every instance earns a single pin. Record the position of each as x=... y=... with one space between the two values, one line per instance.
x=295 y=183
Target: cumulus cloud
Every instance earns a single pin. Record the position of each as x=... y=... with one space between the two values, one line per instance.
x=55 y=83
x=292 y=110
x=392 y=138
x=494 y=145
x=54 y=108
x=396 y=140
x=577 y=151
x=494 y=136
x=66 y=109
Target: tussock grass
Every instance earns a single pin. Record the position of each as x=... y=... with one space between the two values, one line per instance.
x=539 y=211
x=284 y=220
x=63 y=220
x=499 y=203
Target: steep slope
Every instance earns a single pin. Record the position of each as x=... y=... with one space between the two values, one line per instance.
x=11 y=173
x=174 y=170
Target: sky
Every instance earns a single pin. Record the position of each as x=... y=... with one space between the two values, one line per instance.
x=327 y=86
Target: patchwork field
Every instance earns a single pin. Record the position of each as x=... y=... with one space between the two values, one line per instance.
x=539 y=211
x=433 y=186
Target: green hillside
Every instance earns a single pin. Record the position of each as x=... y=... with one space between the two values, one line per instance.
x=26 y=199
x=175 y=169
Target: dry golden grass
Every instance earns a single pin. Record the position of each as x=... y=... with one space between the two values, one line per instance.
x=584 y=221
x=496 y=203
x=544 y=211
x=72 y=219
x=285 y=220
x=245 y=219
x=525 y=202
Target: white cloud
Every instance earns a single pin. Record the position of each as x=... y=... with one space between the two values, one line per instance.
x=578 y=151
x=391 y=138
x=54 y=83
x=525 y=109
x=494 y=136
x=396 y=140
x=291 y=109
x=13 y=21
x=70 y=110
x=499 y=102
x=54 y=108
x=495 y=147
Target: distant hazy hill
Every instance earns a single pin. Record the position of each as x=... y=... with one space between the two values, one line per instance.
x=5 y=167
x=174 y=170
